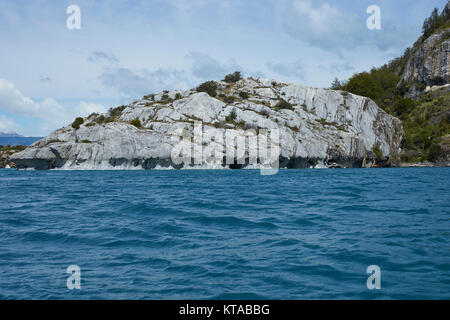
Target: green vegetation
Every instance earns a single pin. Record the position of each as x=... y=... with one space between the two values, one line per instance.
x=324 y=122
x=149 y=97
x=435 y=152
x=403 y=106
x=376 y=149
x=244 y=95
x=248 y=126
x=86 y=141
x=336 y=84
x=219 y=124
x=52 y=141
x=77 y=122
x=12 y=149
x=233 y=77
x=102 y=119
x=136 y=122
x=241 y=124
x=114 y=115
x=265 y=113
x=433 y=23
x=225 y=98
x=283 y=104
x=165 y=96
x=425 y=125
x=231 y=117
x=425 y=118
x=380 y=84
x=210 y=87
x=229 y=99
x=116 y=112
x=178 y=96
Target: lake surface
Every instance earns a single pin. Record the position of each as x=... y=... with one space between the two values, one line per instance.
x=227 y=234
x=14 y=141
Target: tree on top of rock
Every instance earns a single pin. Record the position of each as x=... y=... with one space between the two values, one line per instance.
x=233 y=77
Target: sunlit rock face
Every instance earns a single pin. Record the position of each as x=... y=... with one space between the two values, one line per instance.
x=429 y=60
x=319 y=128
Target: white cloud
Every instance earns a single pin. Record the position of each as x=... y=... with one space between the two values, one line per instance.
x=8 y=125
x=322 y=18
x=86 y=108
x=206 y=67
x=332 y=29
x=323 y=25
x=192 y=4
x=13 y=101
x=51 y=113
x=292 y=70
x=46 y=79
x=134 y=83
x=100 y=57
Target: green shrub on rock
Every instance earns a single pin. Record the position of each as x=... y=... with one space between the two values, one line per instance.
x=241 y=124
x=244 y=95
x=77 y=122
x=376 y=149
x=136 y=122
x=233 y=77
x=210 y=87
x=117 y=111
x=283 y=104
x=102 y=119
x=229 y=99
x=232 y=116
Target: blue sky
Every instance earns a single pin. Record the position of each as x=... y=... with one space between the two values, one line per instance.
x=126 y=49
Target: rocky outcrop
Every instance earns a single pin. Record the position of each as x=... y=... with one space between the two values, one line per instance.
x=429 y=59
x=317 y=128
x=5 y=161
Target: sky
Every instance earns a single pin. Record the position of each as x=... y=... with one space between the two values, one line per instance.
x=50 y=74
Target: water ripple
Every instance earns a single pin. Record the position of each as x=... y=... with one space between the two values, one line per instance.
x=300 y=234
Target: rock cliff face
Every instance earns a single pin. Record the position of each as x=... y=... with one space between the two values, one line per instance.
x=317 y=128
x=429 y=60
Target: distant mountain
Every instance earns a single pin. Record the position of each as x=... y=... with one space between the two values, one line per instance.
x=17 y=140
x=9 y=134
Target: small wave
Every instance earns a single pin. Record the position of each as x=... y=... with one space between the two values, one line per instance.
x=231 y=222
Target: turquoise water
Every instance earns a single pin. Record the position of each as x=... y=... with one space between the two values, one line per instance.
x=230 y=234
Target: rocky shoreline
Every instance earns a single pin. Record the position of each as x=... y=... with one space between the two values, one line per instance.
x=316 y=127
x=425 y=164
x=5 y=161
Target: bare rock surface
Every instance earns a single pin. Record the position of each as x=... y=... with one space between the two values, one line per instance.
x=321 y=128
